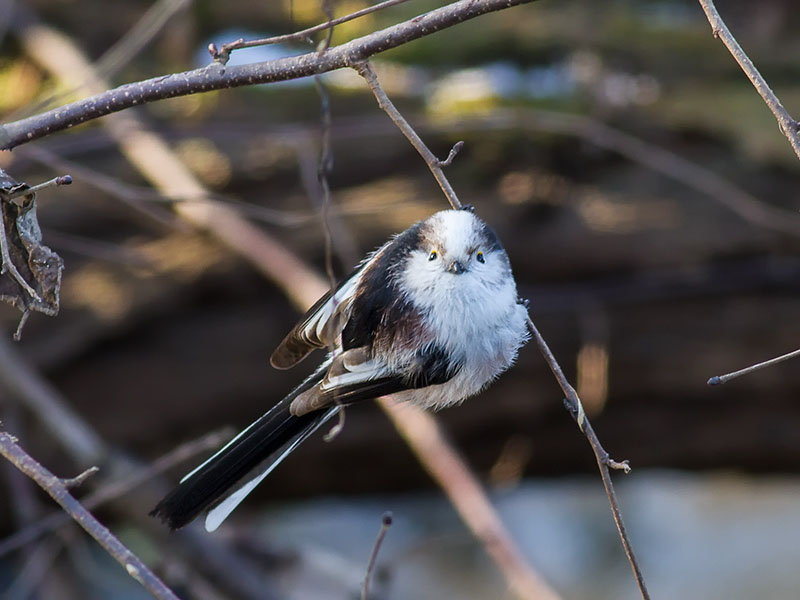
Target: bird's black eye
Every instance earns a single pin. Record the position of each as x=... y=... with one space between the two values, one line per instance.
x=433 y=255
x=480 y=258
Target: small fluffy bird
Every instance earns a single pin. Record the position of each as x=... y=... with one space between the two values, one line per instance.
x=431 y=317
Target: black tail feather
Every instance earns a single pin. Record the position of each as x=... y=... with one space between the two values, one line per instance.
x=251 y=452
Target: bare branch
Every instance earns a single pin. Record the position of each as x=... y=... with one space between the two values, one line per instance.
x=789 y=127
x=720 y=379
x=303 y=286
x=115 y=489
x=434 y=164
x=386 y=522
x=222 y=55
x=574 y=405
x=54 y=182
x=55 y=487
x=215 y=77
x=604 y=461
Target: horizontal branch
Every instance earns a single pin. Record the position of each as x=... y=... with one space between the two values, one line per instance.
x=216 y=76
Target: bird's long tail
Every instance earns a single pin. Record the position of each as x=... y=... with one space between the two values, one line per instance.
x=222 y=482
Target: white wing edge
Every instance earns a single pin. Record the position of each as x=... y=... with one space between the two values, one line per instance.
x=220 y=451
x=319 y=320
x=219 y=513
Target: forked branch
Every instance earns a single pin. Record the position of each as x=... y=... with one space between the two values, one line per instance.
x=58 y=491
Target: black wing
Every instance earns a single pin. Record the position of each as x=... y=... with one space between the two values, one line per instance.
x=357 y=305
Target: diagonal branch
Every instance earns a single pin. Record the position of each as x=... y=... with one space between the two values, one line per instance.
x=789 y=127
x=434 y=164
x=215 y=76
x=604 y=462
x=58 y=491
x=720 y=379
x=515 y=573
x=424 y=436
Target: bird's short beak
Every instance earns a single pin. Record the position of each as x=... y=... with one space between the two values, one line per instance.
x=455 y=268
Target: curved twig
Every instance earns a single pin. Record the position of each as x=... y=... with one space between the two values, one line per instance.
x=573 y=403
x=386 y=522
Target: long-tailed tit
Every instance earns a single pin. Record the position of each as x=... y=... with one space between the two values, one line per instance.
x=431 y=317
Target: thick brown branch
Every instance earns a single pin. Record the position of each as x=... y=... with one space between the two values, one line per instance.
x=451 y=473
x=215 y=77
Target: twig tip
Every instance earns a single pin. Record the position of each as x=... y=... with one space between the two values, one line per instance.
x=76 y=481
x=715 y=380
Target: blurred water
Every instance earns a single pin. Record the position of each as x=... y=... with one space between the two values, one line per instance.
x=718 y=536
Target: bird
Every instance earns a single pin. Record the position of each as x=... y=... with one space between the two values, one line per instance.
x=431 y=317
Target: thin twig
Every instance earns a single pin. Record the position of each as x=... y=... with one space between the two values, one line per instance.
x=720 y=379
x=434 y=164
x=604 y=461
x=56 y=489
x=216 y=77
x=324 y=168
x=222 y=54
x=54 y=182
x=73 y=482
x=789 y=126
x=386 y=522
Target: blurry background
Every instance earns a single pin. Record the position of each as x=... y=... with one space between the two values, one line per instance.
x=648 y=203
